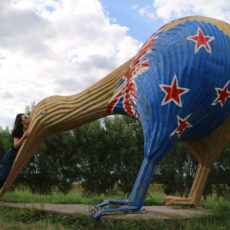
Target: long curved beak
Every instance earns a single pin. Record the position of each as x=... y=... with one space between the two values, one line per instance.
x=59 y=113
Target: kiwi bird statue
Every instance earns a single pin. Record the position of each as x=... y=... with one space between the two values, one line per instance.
x=177 y=85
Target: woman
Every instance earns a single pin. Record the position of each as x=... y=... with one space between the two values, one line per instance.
x=20 y=132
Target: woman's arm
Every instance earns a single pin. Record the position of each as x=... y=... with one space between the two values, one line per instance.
x=18 y=141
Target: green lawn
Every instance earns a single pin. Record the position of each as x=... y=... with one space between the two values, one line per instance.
x=75 y=196
x=10 y=219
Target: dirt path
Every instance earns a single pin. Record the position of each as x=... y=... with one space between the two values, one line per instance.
x=151 y=212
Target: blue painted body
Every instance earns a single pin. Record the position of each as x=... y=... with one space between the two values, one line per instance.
x=194 y=58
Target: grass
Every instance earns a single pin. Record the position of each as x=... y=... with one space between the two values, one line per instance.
x=21 y=219
x=75 y=196
x=11 y=219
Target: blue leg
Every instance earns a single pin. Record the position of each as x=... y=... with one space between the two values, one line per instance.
x=137 y=196
x=144 y=179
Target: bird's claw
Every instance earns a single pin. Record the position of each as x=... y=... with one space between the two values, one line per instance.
x=109 y=206
x=113 y=203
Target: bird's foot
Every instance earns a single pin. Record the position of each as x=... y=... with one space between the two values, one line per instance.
x=170 y=200
x=109 y=206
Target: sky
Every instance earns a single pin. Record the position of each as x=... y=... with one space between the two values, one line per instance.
x=61 y=47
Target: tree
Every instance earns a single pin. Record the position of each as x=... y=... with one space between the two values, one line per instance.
x=53 y=165
x=39 y=175
x=6 y=141
x=219 y=178
x=111 y=151
x=176 y=171
x=125 y=141
x=96 y=164
x=63 y=149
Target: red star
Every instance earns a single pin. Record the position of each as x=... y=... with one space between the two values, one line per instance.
x=173 y=92
x=222 y=95
x=182 y=125
x=201 y=41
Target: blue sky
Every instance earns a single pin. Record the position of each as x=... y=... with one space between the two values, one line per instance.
x=143 y=17
x=61 y=47
x=140 y=27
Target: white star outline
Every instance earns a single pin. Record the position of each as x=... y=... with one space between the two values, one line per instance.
x=209 y=50
x=175 y=131
x=218 y=95
x=172 y=99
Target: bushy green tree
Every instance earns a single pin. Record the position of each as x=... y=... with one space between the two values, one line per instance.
x=219 y=178
x=53 y=165
x=6 y=141
x=96 y=163
x=176 y=171
x=38 y=174
x=125 y=141
x=110 y=151
x=64 y=160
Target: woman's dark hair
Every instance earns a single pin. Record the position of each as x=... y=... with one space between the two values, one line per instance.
x=18 y=123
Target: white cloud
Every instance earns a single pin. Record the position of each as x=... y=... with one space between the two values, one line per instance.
x=146 y=11
x=52 y=47
x=167 y=9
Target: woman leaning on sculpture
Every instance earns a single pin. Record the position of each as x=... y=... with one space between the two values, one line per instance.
x=19 y=133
